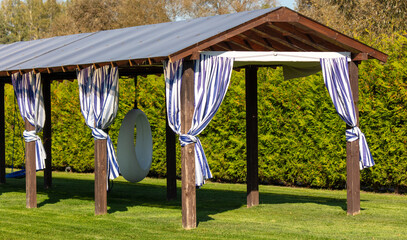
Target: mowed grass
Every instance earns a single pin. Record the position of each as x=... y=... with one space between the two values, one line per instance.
x=141 y=211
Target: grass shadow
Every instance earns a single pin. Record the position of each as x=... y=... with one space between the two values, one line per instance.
x=126 y=195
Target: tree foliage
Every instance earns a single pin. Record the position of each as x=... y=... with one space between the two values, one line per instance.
x=358 y=18
x=22 y=20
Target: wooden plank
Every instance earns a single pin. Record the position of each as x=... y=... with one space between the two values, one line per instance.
x=360 y=57
x=298 y=36
x=135 y=92
x=252 y=137
x=187 y=153
x=277 y=37
x=2 y=137
x=257 y=40
x=47 y=138
x=30 y=170
x=218 y=38
x=100 y=177
x=352 y=152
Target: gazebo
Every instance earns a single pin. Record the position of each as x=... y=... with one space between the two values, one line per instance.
x=266 y=37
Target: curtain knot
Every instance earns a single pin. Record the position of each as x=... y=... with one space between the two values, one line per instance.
x=353 y=134
x=99 y=134
x=30 y=136
x=40 y=155
x=186 y=139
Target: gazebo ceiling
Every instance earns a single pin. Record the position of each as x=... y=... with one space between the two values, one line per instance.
x=141 y=49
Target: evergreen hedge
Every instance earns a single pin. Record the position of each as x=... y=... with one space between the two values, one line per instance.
x=301 y=138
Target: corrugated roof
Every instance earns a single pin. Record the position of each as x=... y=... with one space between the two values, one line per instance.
x=141 y=42
x=277 y=29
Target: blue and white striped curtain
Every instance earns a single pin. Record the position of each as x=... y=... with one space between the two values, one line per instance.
x=99 y=96
x=212 y=77
x=336 y=77
x=28 y=90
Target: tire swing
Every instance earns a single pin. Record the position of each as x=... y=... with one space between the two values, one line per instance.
x=135 y=160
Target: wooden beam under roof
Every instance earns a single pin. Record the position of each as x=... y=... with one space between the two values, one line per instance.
x=257 y=40
x=277 y=37
x=298 y=36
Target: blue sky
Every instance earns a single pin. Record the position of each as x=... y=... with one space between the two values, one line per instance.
x=287 y=3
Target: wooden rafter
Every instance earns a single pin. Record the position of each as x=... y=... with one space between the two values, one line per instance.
x=257 y=40
x=298 y=36
x=276 y=37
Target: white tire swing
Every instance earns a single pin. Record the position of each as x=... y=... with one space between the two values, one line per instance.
x=135 y=161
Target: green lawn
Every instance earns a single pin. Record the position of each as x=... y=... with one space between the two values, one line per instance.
x=140 y=211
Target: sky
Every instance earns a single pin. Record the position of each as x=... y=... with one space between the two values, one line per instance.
x=287 y=3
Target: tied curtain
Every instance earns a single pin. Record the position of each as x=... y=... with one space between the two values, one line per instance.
x=28 y=90
x=336 y=76
x=99 y=96
x=211 y=81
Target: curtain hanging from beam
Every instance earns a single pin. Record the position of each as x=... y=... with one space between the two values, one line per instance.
x=28 y=90
x=211 y=81
x=336 y=76
x=99 y=96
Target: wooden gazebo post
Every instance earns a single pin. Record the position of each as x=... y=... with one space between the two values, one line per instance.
x=252 y=136
x=352 y=150
x=100 y=176
x=47 y=132
x=2 y=137
x=30 y=170
x=187 y=152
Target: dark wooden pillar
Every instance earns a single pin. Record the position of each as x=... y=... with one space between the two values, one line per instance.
x=352 y=151
x=171 y=163
x=2 y=137
x=252 y=137
x=187 y=152
x=100 y=177
x=30 y=170
x=47 y=132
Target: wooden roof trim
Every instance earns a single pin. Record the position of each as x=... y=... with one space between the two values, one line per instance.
x=281 y=14
x=341 y=38
x=72 y=68
x=300 y=31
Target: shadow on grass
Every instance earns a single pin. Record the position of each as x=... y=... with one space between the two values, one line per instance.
x=125 y=195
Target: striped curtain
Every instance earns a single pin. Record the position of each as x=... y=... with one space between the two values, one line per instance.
x=336 y=77
x=28 y=90
x=99 y=96
x=212 y=77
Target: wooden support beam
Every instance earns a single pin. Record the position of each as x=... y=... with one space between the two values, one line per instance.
x=30 y=170
x=47 y=132
x=252 y=137
x=298 y=36
x=135 y=92
x=187 y=152
x=2 y=137
x=100 y=177
x=352 y=151
x=277 y=37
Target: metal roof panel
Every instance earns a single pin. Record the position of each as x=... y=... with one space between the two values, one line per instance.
x=140 y=42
